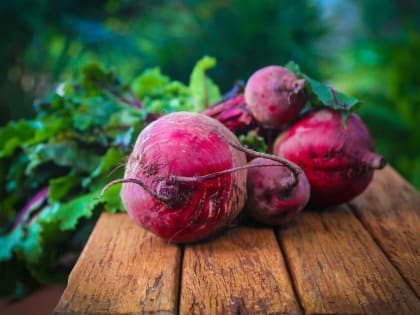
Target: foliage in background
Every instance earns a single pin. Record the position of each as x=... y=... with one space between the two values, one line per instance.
x=45 y=41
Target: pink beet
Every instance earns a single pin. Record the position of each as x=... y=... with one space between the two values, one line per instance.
x=338 y=159
x=275 y=96
x=177 y=181
x=274 y=197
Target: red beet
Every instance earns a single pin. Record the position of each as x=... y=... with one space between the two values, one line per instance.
x=275 y=96
x=338 y=159
x=274 y=198
x=177 y=181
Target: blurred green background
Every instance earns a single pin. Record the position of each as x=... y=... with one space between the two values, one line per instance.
x=368 y=49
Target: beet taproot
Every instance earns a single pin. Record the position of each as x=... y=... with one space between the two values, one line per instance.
x=338 y=158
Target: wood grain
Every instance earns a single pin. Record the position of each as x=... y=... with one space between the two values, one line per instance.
x=123 y=270
x=390 y=210
x=241 y=272
x=337 y=268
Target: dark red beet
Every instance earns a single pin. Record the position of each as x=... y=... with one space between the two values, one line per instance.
x=275 y=96
x=338 y=160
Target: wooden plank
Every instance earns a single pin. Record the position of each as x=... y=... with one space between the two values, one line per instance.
x=390 y=210
x=240 y=272
x=123 y=269
x=337 y=268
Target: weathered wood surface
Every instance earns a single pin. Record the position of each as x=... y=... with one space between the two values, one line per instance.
x=241 y=272
x=390 y=210
x=338 y=269
x=123 y=270
x=357 y=259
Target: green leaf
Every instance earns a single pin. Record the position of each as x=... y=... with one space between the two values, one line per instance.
x=203 y=90
x=48 y=226
x=14 y=135
x=321 y=94
x=95 y=111
x=112 y=158
x=159 y=94
x=62 y=154
x=31 y=246
x=254 y=141
x=149 y=82
x=49 y=128
x=112 y=199
x=67 y=215
x=324 y=95
x=61 y=186
x=294 y=67
x=126 y=117
x=9 y=241
x=95 y=78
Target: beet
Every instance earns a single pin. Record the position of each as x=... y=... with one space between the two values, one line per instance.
x=273 y=196
x=178 y=181
x=275 y=96
x=338 y=159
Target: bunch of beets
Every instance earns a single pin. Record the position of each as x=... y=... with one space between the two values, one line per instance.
x=188 y=176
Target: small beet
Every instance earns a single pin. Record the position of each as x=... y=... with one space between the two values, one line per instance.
x=274 y=197
x=275 y=96
x=338 y=159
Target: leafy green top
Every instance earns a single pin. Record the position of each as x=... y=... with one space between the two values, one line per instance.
x=54 y=166
x=321 y=94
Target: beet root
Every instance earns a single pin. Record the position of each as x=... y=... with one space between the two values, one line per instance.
x=275 y=96
x=273 y=196
x=166 y=187
x=339 y=160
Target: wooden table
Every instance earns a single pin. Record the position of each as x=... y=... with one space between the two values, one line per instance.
x=357 y=258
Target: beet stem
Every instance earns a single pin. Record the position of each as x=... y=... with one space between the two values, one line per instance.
x=283 y=162
x=200 y=179
x=138 y=182
x=39 y=198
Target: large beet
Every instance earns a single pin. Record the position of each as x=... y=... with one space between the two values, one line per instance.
x=338 y=159
x=166 y=188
